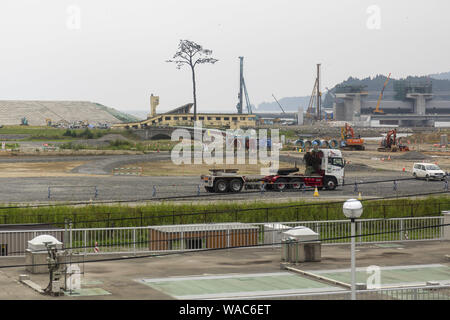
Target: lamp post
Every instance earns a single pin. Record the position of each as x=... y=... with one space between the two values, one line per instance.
x=353 y=209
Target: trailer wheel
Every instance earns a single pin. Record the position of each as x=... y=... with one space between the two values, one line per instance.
x=236 y=185
x=280 y=184
x=297 y=184
x=330 y=183
x=221 y=186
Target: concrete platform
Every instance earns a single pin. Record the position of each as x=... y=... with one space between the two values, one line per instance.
x=237 y=286
x=238 y=266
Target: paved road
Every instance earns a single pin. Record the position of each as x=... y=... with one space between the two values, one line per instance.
x=103 y=186
x=141 y=188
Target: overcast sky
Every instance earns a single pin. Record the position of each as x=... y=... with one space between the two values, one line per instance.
x=114 y=51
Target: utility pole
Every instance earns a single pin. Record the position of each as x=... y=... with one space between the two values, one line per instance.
x=319 y=113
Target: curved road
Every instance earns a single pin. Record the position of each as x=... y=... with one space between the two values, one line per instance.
x=104 y=186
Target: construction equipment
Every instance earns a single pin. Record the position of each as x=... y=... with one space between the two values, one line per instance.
x=278 y=103
x=316 y=97
x=349 y=142
x=377 y=109
x=328 y=173
x=391 y=144
x=243 y=90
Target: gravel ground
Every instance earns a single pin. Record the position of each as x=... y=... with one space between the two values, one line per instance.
x=128 y=188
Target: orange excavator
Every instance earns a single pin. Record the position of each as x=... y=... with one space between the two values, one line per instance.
x=349 y=142
x=391 y=143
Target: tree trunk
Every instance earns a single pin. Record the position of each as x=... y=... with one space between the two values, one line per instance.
x=195 y=96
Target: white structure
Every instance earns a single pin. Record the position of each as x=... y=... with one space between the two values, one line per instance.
x=36 y=254
x=353 y=209
x=300 y=244
x=273 y=232
x=301 y=234
x=73 y=281
x=300 y=116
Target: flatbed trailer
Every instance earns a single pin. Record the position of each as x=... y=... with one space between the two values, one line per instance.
x=329 y=177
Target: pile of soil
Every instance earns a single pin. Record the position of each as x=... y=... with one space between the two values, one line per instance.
x=413 y=155
x=359 y=167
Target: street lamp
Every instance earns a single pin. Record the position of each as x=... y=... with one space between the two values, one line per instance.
x=353 y=209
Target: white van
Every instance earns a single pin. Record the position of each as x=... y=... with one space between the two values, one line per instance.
x=428 y=171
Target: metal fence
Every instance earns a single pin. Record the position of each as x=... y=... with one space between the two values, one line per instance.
x=223 y=235
x=435 y=292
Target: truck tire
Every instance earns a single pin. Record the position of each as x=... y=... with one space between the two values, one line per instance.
x=209 y=189
x=280 y=184
x=297 y=184
x=236 y=185
x=330 y=183
x=220 y=186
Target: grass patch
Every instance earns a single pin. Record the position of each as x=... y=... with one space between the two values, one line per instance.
x=170 y=213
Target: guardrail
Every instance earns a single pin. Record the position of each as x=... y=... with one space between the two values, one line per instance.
x=223 y=235
x=435 y=292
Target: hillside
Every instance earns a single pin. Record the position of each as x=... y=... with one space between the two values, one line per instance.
x=289 y=104
x=37 y=112
x=441 y=76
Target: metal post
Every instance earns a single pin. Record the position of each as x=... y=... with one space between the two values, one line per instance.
x=241 y=85
x=84 y=242
x=353 y=264
x=70 y=235
x=66 y=234
x=319 y=114
x=134 y=241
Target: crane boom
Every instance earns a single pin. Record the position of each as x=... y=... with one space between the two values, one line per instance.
x=278 y=103
x=377 y=109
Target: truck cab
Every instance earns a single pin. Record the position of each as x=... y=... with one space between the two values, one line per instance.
x=333 y=168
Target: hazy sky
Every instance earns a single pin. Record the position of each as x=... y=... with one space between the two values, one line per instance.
x=114 y=51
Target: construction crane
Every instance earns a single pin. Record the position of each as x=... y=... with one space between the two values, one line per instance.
x=315 y=98
x=377 y=109
x=243 y=90
x=278 y=103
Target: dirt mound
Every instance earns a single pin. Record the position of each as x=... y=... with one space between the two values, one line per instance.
x=113 y=137
x=358 y=167
x=413 y=155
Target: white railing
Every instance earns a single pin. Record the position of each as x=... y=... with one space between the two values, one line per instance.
x=435 y=292
x=222 y=235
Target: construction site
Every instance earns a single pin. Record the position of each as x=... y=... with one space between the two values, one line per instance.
x=345 y=198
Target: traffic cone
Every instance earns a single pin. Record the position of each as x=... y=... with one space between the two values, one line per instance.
x=316 y=192
x=389 y=158
x=359 y=196
x=404 y=169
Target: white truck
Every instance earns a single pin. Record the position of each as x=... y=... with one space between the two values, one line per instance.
x=330 y=175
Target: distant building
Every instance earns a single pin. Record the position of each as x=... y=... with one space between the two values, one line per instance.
x=182 y=117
